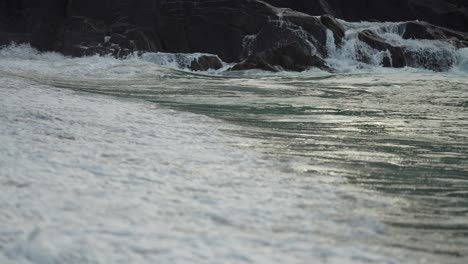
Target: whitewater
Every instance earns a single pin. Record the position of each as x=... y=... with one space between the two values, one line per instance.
x=142 y=161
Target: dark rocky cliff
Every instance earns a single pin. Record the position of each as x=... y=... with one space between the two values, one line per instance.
x=447 y=13
x=252 y=31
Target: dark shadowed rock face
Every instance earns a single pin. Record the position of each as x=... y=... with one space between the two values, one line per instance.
x=436 y=60
x=424 y=30
x=216 y=27
x=305 y=32
x=335 y=27
x=84 y=36
x=292 y=57
x=223 y=27
x=255 y=61
x=311 y=7
x=447 y=13
x=35 y=22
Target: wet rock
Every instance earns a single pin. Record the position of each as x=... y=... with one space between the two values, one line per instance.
x=292 y=57
x=397 y=59
x=314 y=30
x=283 y=33
x=142 y=40
x=435 y=60
x=424 y=30
x=206 y=62
x=335 y=27
x=215 y=27
x=311 y=7
x=254 y=62
x=81 y=35
x=118 y=38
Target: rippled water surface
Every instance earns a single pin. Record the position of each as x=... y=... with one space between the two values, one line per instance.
x=107 y=161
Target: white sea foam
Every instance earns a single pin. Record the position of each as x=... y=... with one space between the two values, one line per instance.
x=181 y=61
x=462 y=65
x=87 y=178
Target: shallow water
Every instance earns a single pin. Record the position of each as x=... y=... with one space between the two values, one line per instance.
x=108 y=161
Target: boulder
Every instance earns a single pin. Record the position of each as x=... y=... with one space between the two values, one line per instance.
x=335 y=27
x=397 y=59
x=255 y=61
x=292 y=57
x=215 y=27
x=221 y=27
x=436 y=60
x=424 y=30
x=206 y=62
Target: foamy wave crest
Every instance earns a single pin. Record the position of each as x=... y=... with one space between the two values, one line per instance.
x=23 y=60
x=179 y=61
x=26 y=52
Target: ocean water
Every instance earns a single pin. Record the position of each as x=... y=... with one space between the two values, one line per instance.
x=128 y=161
